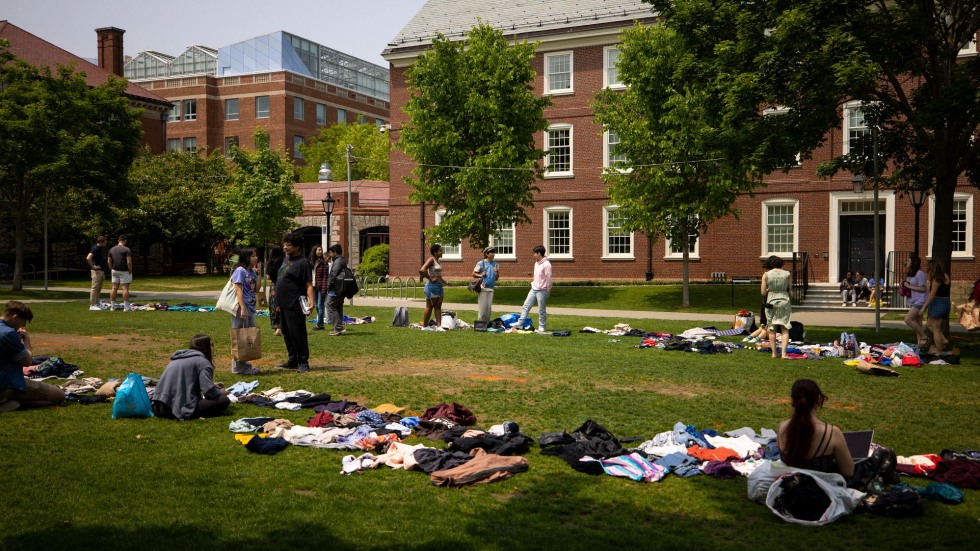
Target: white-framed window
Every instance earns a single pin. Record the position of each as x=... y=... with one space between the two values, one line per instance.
x=970 y=48
x=675 y=250
x=610 y=157
x=780 y=227
x=174 y=115
x=558 y=232
x=230 y=143
x=558 y=151
x=190 y=109
x=190 y=144
x=297 y=141
x=261 y=107
x=450 y=251
x=854 y=124
x=379 y=122
x=503 y=240
x=341 y=115
x=610 y=74
x=962 y=219
x=558 y=73
x=231 y=109
x=616 y=241
x=173 y=144
x=299 y=109
x=321 y=114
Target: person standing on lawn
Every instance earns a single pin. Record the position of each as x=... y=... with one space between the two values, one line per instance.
x=915 y=282
x=295 y=281
x=121 y=267
x=489 y=271
x=540 y=290
x=775 y=287
x=431 y=272
x=15 y=355
x=245 y=278
x=97 y=262
x=936 y=306
x=321 y=272
x=335 y=298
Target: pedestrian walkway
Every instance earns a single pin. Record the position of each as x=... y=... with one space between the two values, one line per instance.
x=858 y=318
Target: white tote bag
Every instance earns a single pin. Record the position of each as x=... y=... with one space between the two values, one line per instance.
x=228 y=300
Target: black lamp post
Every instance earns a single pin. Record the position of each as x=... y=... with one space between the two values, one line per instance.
x=858 y=183
x=328 y=204
x=917 y=196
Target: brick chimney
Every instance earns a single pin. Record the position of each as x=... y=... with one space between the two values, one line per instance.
x=111 y=49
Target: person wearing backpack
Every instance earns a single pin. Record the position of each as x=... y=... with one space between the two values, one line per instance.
x=488 y=270
x=335 y=296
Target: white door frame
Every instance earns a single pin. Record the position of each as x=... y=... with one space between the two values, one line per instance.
x=838 y=197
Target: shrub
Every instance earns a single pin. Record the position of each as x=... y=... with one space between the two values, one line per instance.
x=375 y=263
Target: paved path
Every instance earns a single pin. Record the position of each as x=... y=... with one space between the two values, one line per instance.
x=859 y=317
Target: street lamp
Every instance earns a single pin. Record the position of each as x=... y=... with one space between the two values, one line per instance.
x=350 y=227
x=323 y=176
x=858 y=183
x=917 y=196
x=328 y=204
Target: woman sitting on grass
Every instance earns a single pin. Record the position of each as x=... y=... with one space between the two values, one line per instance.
x=809 y=443
x=186 y=389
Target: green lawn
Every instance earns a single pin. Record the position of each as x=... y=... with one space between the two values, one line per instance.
x=82 y=480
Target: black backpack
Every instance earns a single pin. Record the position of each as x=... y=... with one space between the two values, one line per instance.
x=796 y=331
x=346 y=283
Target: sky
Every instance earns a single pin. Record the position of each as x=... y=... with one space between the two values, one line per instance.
x=361 y=28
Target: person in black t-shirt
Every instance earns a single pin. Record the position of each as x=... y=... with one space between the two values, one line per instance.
x=295 y=281
x=97 y=262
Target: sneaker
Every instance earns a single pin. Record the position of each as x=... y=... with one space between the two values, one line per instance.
x=542 y=331
x=318 y=328
x=9 y=405
x=249 y=370
x=128 y=308
x=854 y=304
x=286 y=365
x=843 y=304
x=95 y=308
x=303 y=368
x=336 y=333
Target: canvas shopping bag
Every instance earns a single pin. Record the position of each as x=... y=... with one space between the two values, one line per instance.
x=228 y=299
x=246 y=344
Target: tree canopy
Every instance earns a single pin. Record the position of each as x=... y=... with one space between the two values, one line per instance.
x=259 y=205
x=58 y=135
x=681 y=162
x=371 y=148
x=473 y=119
x=901 y=59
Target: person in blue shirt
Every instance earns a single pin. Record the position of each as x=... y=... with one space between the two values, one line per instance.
x=15 y=355
x=245 y=278
x=489 y=271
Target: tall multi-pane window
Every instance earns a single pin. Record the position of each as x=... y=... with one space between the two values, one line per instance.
x=558 y=145
x=341 y=115
x=299 y=109
x=190 y=144
x=611 y=74
x=963 y=219
x=231 y=142
x=174 y=115
x=558 y=73
x=231 y=109
x=450 y=251
x=854 y=126
x=173 y=144
x=503 y=241
x=558 y=231
x=959 y=226
x=261 y=107
x=190 y=109
x=617 y=242
x=614 y=159
x=780 y=227
x=321 y=114
x=297 y=141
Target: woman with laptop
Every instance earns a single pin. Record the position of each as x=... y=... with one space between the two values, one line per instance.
x=807 y=442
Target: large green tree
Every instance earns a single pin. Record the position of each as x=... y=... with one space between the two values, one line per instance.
x=259 y=205
x=60 y=136
x=473 y=120
x=900 y=58
x=685 y=162
x=371 y=148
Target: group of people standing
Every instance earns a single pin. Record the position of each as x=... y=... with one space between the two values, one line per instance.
x=118 y=263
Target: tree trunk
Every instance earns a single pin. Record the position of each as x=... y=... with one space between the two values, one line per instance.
x=686 y=270
x=20 y=241
x=942 y=221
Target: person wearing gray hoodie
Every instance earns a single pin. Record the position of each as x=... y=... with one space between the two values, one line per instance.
x=186 y=389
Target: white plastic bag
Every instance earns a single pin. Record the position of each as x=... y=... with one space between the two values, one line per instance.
x=842 y=501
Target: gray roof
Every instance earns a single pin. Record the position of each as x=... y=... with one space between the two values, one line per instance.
x=453 y=18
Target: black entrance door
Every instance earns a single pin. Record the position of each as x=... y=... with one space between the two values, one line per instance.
x=857 y=243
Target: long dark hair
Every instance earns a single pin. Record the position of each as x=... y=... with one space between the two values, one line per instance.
x=202 y=343
x=915 y=264
x=276 y=256
x=806 y=397
x=937 y=271
x=313 y=257
x=245 y=257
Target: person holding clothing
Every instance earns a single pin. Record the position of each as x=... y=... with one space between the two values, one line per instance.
x=431 y=272
x=805 y=441
x=488 y=270
x=186 y=389
x=97 y=262
x=16 y=353
x=936 y=304
x=540 y=290
x=121 y=267
x=295 y=280
x=775 y=287
x=335 y=298
x=321 y=271
x=245 y=277
x=847 y=290
x=276 y=257
x=915 y=282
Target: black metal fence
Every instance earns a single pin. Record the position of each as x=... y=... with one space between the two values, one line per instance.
x=800 y=277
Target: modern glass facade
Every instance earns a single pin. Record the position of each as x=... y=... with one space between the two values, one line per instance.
x=196 y=60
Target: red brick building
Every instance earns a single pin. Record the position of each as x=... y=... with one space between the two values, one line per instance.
x=285 y=84
x=797 y=212
x=41 y=53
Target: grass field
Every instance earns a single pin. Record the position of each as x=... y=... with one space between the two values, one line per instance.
x=78 y=479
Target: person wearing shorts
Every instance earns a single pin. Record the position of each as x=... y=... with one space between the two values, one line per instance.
x=431 y=272
x=121 y=267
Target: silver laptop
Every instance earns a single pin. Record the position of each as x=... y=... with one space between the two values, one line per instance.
x=859 y=443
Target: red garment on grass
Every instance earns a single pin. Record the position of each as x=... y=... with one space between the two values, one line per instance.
x=962 y=473
x=713 y=454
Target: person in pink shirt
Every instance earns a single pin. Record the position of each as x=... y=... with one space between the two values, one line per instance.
x=540 y=290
